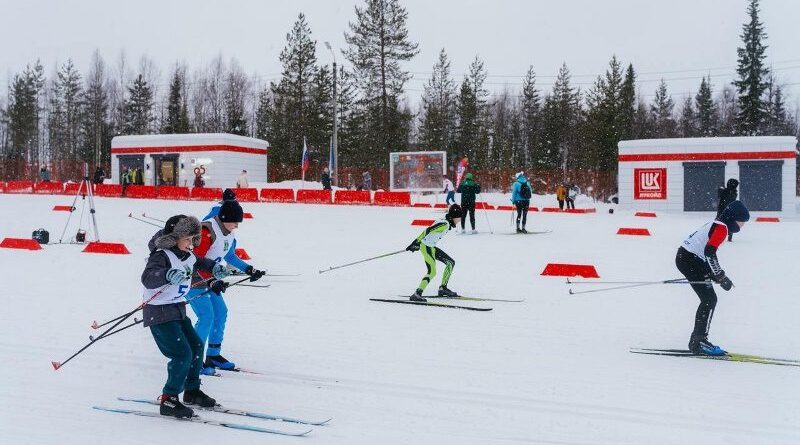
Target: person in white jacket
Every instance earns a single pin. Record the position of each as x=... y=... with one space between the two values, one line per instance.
x=449 y=189
x=242 y=182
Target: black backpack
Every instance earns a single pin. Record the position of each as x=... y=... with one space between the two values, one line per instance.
x=42 y=236
x=525 y=191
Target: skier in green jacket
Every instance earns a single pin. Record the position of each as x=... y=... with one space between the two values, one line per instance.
x=426 y=242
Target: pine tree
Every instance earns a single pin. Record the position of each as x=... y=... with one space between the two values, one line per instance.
x=628 y=103
x=438 y=109
x=605 y=120
x=264 y=114
x=661 y=111
x=707 y=113
x=779 y=121
x=176 y=120
x=752 y=81
x=530 y=108
x=235 y=92
x=138 y=108
x=96 y=125
x=561 y=118
x=23 y=117
x=728 y=111
x=377 y=44
x=687 y=124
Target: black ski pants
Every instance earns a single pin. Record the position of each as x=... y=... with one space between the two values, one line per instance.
x=468 y=208
x=522 y=212
x=695 y=268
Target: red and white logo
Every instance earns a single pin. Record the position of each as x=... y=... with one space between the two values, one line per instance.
x=649 y=183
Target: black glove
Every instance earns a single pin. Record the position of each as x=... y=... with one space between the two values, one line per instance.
x=413 y=247
x=218 y=286
x=255 y=274
x=723 y=280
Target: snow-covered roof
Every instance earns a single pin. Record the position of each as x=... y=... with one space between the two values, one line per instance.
x=709 y=145
x=187 y=140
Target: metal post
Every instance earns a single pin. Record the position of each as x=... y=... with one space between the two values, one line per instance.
x=335 y=166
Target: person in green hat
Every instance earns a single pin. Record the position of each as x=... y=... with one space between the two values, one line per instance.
x=468 y=189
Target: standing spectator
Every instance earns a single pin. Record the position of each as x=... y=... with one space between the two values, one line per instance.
x=242 y=182
x=449 y=189
x=99 y=175
x=198 y=179
x=521 y=198
x=561 y=195
x=572 y=193
x=44 y=175
x=727 y=195
x=125 y=179
x=468 y=189
x=326 y=179
x=366 y=181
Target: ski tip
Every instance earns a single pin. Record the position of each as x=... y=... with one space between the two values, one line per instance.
x=571 y=293
x=130 y=215
x=56 y=365
x=95 y=325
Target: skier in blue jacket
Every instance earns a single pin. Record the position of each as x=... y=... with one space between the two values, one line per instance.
x=521 y=198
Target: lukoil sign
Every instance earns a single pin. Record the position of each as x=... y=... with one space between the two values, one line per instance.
x=650 y=183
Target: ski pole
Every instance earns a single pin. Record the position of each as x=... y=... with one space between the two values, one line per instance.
x=486 y=214
x=361 y=261
x=672 y=281
x=135 y=322
x=628 y=286
x=144 y=215
x=130 y=215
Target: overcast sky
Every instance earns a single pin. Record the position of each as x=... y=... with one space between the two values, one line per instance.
x=680 y=40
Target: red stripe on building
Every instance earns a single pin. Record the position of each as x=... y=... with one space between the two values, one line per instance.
x=727 y=156
x=187 y=149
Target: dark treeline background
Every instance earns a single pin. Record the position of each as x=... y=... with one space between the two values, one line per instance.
x=69 y=117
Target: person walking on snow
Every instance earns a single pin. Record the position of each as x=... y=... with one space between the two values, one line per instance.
x=727 y=195
x=449 y=189
x=426 y=242
x=217 y=243
x=697 y=261
x=521 y=198
x=167 y=275
x=561 y=195
x=468 y=189
x=242 y=182
x=572 y=192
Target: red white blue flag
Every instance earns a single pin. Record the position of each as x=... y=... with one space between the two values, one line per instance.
x=461 y=168
x=305 y=162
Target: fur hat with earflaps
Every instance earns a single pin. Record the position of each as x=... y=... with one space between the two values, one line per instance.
x=177 y=227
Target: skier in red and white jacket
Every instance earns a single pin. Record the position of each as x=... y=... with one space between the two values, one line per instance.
x=697 y=261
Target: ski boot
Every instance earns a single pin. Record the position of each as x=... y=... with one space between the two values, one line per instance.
x=702 y=346
x=218 y=361
x=198 y=397
x=171 y=406
x=444 y=292
x=474 y=232
x=523 y=230
x=417 y=296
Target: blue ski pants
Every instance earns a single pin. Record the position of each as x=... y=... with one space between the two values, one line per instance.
x=212 y=313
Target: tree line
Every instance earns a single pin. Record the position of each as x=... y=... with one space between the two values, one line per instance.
x=73 y=116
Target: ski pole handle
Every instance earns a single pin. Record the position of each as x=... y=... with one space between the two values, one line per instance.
x=361 y=261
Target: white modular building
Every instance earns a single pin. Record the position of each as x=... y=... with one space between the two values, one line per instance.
x=683 y=175
x=177 y=159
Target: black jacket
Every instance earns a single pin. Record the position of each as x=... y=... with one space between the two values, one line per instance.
x=726 y=196
x=468 y=189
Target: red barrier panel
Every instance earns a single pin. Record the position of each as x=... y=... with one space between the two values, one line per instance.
x=112 y=248
x=506 y=208
x=570 y=270
x=277 y=195
x=314 y=196
x=592 y=210
x=141 y=191
x=2 y=187
x=108 y=190
x=71 y=188
x=357 y=197
x=645 y=214
x=246 y=195
x=206 y=194
x=422 y=204
x=46 y=188
x=62 y=208
x=392 y=198
x=172 y=192
x=440 y=206
x=19 y=187
x=247 y=215
x=21 y=243
x=241 y=253
x=767 y=219
x=633 y=231
x=423 y=222
x=483 y=205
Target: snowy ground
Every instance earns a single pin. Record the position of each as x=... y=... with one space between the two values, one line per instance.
x=552 y=370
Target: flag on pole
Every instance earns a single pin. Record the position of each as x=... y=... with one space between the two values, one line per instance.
x=331 y=157
x=305 y=161
x=461 y=168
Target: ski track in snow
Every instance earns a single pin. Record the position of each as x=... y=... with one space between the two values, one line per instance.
x=554 y=369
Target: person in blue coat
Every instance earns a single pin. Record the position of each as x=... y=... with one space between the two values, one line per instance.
x=521 y=198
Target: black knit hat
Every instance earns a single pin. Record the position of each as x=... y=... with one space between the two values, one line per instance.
x=228 y=195
x=736 y=211
x=231 y=212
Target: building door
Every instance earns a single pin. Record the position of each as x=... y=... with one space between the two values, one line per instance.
x=760 y=184
x=700 y=183
x=133 y=164
x=166 y=169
